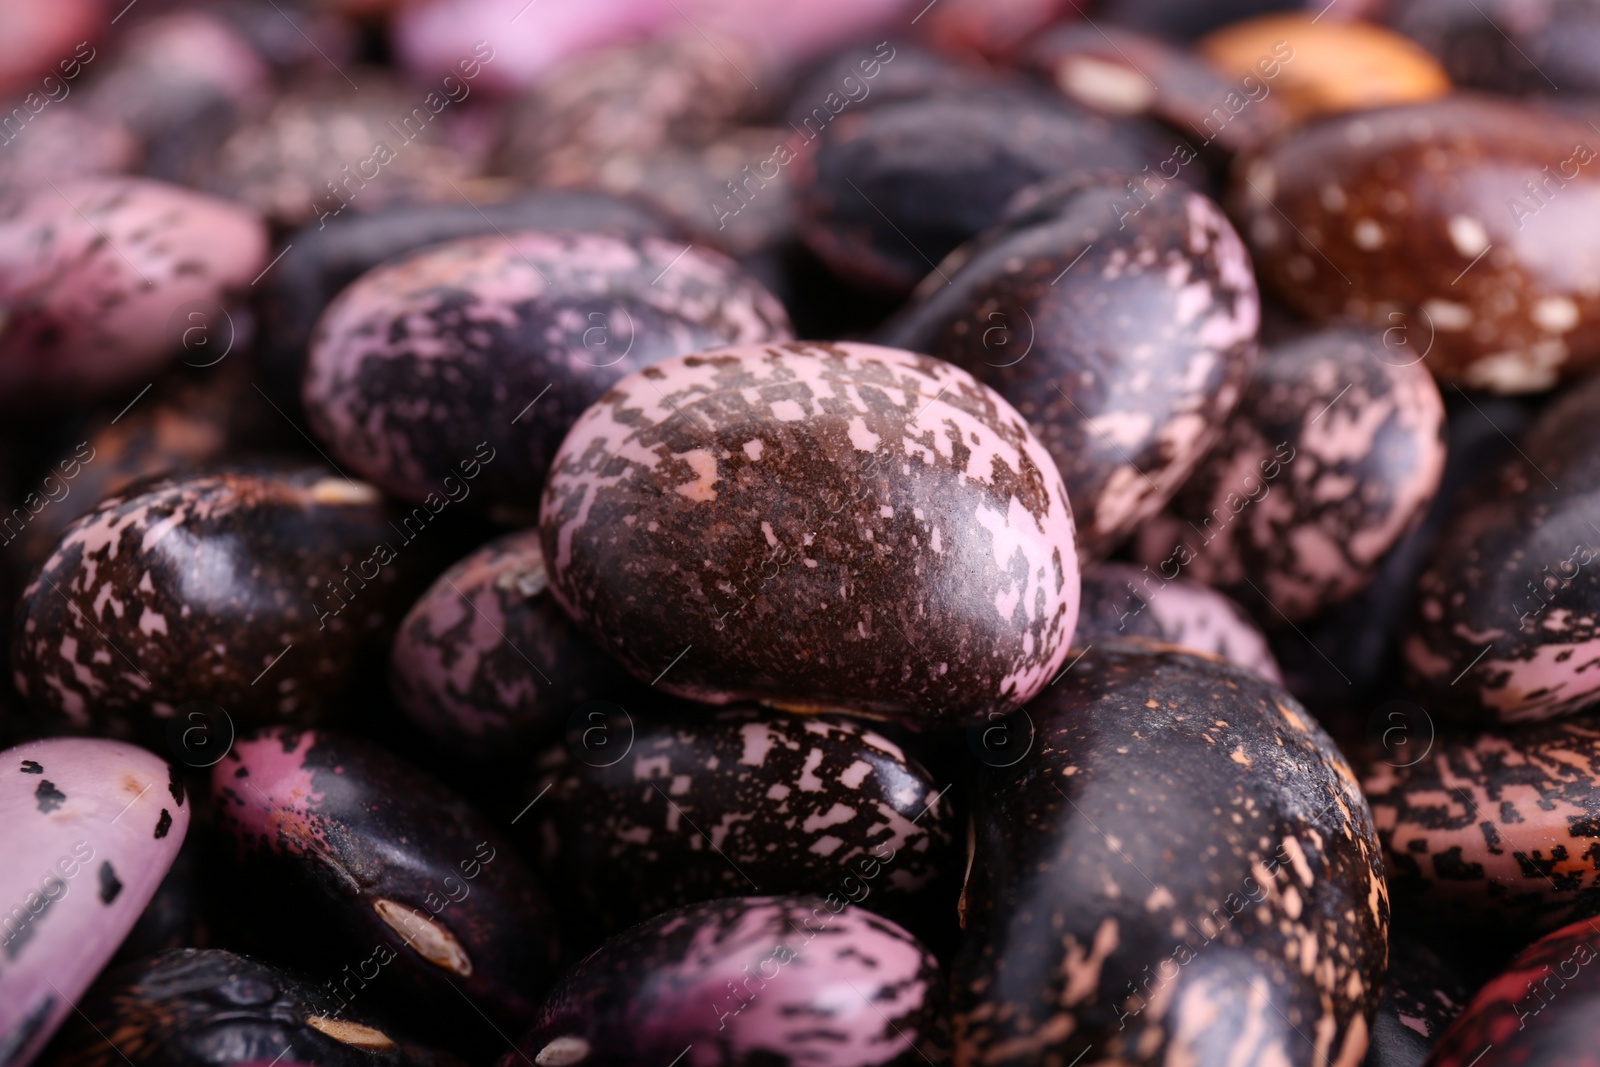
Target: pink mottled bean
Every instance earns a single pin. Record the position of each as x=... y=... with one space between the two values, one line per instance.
x=819 y=526
x=94 y=271
x=88 y=828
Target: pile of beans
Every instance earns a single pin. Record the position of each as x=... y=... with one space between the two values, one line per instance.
x=740 y=532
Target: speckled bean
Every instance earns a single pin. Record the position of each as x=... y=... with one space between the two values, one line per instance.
x=1122 y=329
x=508 y=339
x=792 y=804
x=88 y=828
x=825 y=526
x=771 y=980
x=1180 y=870
x=93 y=271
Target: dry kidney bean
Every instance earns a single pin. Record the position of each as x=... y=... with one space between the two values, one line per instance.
x=890 y=190
x=1182 y=842
x=506 y=340
x=775 y=979
x=363 y=858
x=1504 y=46
x=1501 y=824
x=486 y=661
x=809 y=804
x=1325 y=65
x=1269 y=515
x=209 y=1008
x=92 y=272
x=1125 y=602
x=1140 y=410
x=194 y=588
x=1459 y=224
x=1540 y=1008
x=1120 y=319
x=741 y=485
x=91 y=827
x=1503 y=626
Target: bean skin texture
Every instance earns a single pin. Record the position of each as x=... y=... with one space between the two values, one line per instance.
x=739 y=485
x=1375 y=217
x=1124 y=332
x=1505 y=626
x=505 y=341
x=1180 y=866
x=486 y=661
x=88 y=827
x=797 y=804
x=1502 y=826
x=1540 y=1010
x=93 y=273
x=1124 y=602
x=747 y=980
x=373 y=852
x=1333 y=455
x=210 y=1008
x=191 y=588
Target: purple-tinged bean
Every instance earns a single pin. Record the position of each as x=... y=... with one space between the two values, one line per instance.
x=88 y=828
